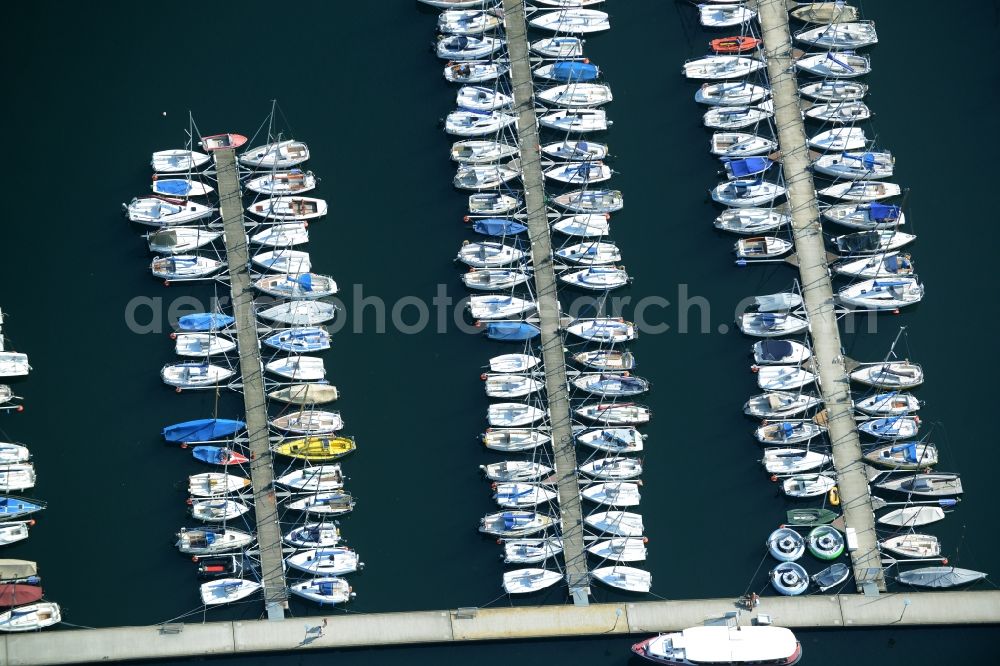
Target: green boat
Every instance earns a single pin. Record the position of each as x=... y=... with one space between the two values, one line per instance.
x=810 y=517
x=825 y=542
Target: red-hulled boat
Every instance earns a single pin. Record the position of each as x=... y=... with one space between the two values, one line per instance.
x=220 y=141
x=735 y=44
x=16 y=594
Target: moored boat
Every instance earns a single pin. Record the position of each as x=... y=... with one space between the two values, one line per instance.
x=178 y=160
x=323 y=590
x=524 y=581
x=625 y=578
x=904 y=455
x=31 y=617
x=785 y=544
x=789 y=578
x=825 y=542
x=939 y=577
x=279 y=155
x=722 y=644
x=227 y=590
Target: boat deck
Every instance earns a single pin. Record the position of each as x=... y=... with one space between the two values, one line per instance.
x=571 y=511
x=817 y=292
x=173 y=641
x=251 y=369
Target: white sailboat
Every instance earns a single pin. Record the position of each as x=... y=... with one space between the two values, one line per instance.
x=227 y=590
x=278 y=155
x=177 y=160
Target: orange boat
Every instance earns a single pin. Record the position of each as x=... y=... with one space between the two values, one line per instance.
x=737 y=44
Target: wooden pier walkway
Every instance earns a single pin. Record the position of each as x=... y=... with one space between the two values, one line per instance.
x=571 y=511
x=174 y=641
x=817 y=292
x=252 y=371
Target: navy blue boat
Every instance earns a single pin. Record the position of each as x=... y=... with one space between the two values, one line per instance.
x=202 y=430
x=204 y=321
x=511 y=331
x=497 y=227
x=17 y=507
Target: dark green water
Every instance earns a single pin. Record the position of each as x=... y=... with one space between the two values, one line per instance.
x=92 y=83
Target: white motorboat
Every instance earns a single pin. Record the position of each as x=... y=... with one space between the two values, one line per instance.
x=558 y=47
x=524 y=581
x=481 y=151
x=336 y=503
x=876 y=241
x=921 y=546
x=313 y=535
x=579 y=173
x=211 y=540
x=31 y=617
x=300 y=313
x=577 y=95
x=891 y=374
x=779 y=404
x=731 y=93
x=588 y=226
x=912 y=516
x=227 y=590
x=514 y=439
x=309 y=422
x=531 y=551
x=285 y=234
x=861 y=190
x=620 y=549
x=177 y=160
x=576 y=151
x=283 y=183
x=180 y=240
x=194 y=374
x=748 y=221
x=492 y=279
x=614 y=493
x=511 y=386
x=217 y=510
x=887 y=293
x=591 y=201
x=488 y=254
x=572 y=21
x=335 y=561
x=180 y=187
x=762 y=247
x=184 y=267
x=320 y=478
x=712 y=15
x=298 y=368
x=17 y=477
x=513 y=523
x=590 y=253
x=825 y=12
x=482 y=99
x=597 y=278
x=721 y=67
x=576 y=120
x=722 y=644
x=13 y=364
x=853 y=166
x=605 y=330
x=839 y=113
x=13 y=532
x=740 y=144
x=606 y=359
x=625 y=578
x=891 y=427
x=214 y=484
x=783 y=378
x=491 y=203
x=771 y=324
x=283 y=261
x=892 y=403
x=834 y=65
x=475 y=72
x=202 y=345
x=479 y=177
x=788 y=432
x=840 y=139
x=331 y=590
x=286 y=209
x=866 y=215
x=834 y=91
x=792 y=461
x=467 y=22
x=613 y=440
x=279 y=155
x=746 y=193
x=839 y=36
x=736 y=117
x=13 y=453
x=159 y=212
x=618 y=523
x=508 y=363
x=807 y=485
x=303 y=286
x=780 y=352
x=904 y=455
x=521 y=495
x=513 y=415
x=470 y=123
x=612 y=468
x=615 y=413
x=468 y=47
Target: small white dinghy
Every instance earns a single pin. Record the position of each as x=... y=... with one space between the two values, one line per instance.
x=177 y=160
x=285 y=234
x=834 y=65
x=614 y=440
x=514 y=439
x=740 y=144
x=202 y=345
x=194 y=375
x=839 y=113
x=625 y=578
x=515 y=470
x=478 y=177
x=587 y=226
x=839 y=36
x=855 y=165
x=731 y=93
x=618 y=523
x=215 y=484
x=320 y=478
x=861 y=190
x=749 y=221
x=289 y=208
x=612 y=468
x=577 y=95
x=494 y=279
x=323 y=590
x=514 y=363
x=762 y=247
x=303 y=286
x=280 y=183
x=834 y=91
x=614 y=493
x=621 y=549
x=721 y=67
x=780 y=352
x=325 y=561
x=736 y=117
x=521 y=495
x=279 y=155
x=309 y=422
x=746 y=193
x=481 y=98
x=579 y=173
x=572 y=21
x=531 y=551
x=513 y=414
x=184 y=267
x=161 y=212
x=807 y=485
x=576 y=151
x=481 y=151
x=523 y=581
x=771 y=324
x=913 y=516
x=724 y=16
x=597 y=278
x=13 y=532
x=488 y=254
x=475 y=72
x=511 y=386
x=298 y=368
x=291 y=262
x=300 y=313
x=558 y=48
x=892 y=403
x=180 y=240
x=470 y=123
x=893 y=374
x=783 y=378
x=227 y=590
x=840 y=139
x=31 y=617
x=888 y=293
x=576 y=120
x=792 y=461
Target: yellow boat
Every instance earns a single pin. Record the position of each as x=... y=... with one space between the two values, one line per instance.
x=316 y=448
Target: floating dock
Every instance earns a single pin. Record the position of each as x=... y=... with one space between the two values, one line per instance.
x=251 y=368
x=553 y=357
x=174 y=641
x=817 y=292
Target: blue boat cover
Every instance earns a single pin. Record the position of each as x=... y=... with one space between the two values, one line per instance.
x=768 y=320
x=774 y=350
x=459 y=43
x=497 y=227
x=202 y=430
x=305 y=281
x=511 y=330
x=787 y=429
x=749 y=166
x=574 y=71
x=173 y=186
x=204 y=321
x=326 y=588
x=209 y=537
x=880 y=211
x=909 y=451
